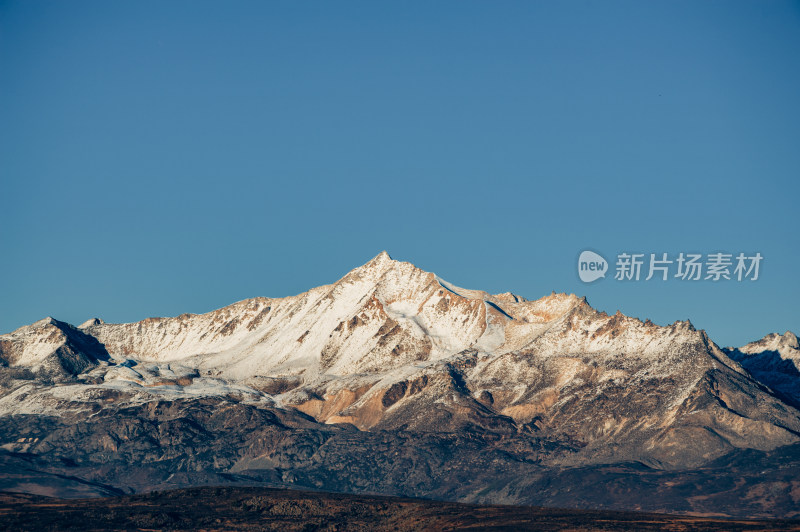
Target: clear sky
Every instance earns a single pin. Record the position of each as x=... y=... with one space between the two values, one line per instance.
x=166 y=157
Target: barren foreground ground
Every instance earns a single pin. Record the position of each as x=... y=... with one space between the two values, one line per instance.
x=277 y=509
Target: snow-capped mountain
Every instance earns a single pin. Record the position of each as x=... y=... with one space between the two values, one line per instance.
x=775 y=361
x=51 y=347
x=390 y=347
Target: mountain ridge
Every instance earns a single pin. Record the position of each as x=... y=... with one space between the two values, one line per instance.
x=386 y=351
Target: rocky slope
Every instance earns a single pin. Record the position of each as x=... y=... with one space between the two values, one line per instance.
x=390 y=380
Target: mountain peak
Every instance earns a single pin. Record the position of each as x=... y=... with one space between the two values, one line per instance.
x=90 y=322
x=381 y=258
x=379 y=266
x=790 y=340
x=509 y=297
x=379 y=262
x=782 y=343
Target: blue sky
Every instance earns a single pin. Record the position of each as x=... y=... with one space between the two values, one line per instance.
x=166 y=157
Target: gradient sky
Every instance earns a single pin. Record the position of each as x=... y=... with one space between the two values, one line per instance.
x=166 y=157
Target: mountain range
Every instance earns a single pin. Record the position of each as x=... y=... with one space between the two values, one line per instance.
x=394 y=381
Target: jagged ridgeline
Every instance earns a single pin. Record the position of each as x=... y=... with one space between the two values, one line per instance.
x=392 y=380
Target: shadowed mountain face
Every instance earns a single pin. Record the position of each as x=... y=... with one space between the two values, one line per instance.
x=392 y=380
x=775 y=361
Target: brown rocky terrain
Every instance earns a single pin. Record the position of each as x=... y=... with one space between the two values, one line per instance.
x=289 y=510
